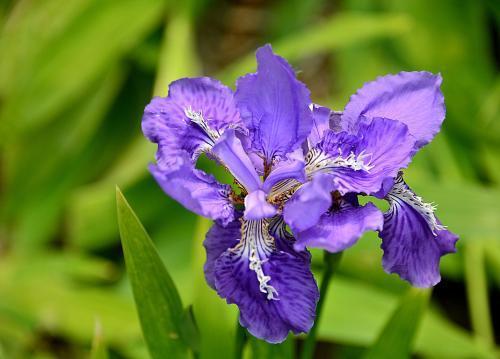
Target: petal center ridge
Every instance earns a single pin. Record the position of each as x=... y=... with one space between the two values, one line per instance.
x=258 y=245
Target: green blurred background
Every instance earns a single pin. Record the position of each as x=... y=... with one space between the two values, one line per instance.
x=74 y=79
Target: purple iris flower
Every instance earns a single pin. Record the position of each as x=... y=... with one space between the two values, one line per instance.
x=256 y=133
x=299 y=165
x=362 y=151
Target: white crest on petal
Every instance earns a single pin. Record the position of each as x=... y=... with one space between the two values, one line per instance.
x=197 y=118
x=257 y=244
x=401 y=192
x=320 y=161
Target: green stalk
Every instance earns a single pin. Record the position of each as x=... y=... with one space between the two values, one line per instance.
x=240 y=340
x=331 y=261
x=477 y=292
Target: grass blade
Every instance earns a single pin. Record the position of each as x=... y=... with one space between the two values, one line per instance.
x=157 y=300
x=396 y=339
x=477 y=292
x=98 y=350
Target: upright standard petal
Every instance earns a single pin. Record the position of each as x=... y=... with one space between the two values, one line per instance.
x=413 y=239
x=195 y=190
x=190 y=119
x=274 y=106
x=363 y=162
x=342 y=226
x=323 y=119
x=274 y=289
x=413 y=98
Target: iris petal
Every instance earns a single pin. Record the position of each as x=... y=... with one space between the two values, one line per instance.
x=290 y=168
x=341 y=228
x=323 y=119
x=309 y=203
x=219 y=239
x=413 y=98
x=257 y=207
x=189 y=120
x=413 y=239
x=362 y=163
x=231 y=153
x=195 y=190
x=274 y=289
x=274 y=106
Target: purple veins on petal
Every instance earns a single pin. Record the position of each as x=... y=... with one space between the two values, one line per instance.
x=413 y=98
x=197 y=191
x=190 y=119
x=274 y=289
x=274 y=106
x=341 y=227
x=277 y=229
x=335 y=152
x=256 y=245
x=413 y=239
x=362 y=162
x=219 y=239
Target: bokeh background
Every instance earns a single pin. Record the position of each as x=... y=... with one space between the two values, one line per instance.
x=74 y=79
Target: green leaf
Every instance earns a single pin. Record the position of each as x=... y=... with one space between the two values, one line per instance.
x=99 y=350
x=56 y=176
x=190 y=329
x=53 y=308
x=397 y=337
x=79 y=50
x=492 y=253
x=157 y=300
x=177 y=59
x=477 y=292
x=356 y=313
x=178 y=56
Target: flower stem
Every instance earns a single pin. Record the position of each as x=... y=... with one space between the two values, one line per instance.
x=477 y=292
x=331 y=261
x=240 y=340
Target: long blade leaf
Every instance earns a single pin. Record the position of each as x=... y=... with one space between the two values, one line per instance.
x=157 y=300
x=397 y=337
